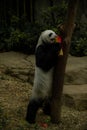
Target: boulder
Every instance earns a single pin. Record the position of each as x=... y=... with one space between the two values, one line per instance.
x=75 y=96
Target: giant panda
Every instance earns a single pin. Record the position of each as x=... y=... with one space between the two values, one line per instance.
x=46 y=55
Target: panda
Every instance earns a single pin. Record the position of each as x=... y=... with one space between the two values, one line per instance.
x=46 y=55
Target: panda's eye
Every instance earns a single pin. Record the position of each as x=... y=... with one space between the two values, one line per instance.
x=50 y=34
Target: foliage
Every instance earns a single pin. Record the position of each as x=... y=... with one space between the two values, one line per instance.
x=21 y=36
x=79 y=42
x=54 y=15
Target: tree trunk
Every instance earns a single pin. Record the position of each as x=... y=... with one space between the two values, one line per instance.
x=59 y=70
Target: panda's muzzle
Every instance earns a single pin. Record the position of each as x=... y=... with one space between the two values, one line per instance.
x=53 y=39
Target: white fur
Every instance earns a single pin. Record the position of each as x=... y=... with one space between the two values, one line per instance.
x=43 y=80
x=42 y=83
x=45 y=37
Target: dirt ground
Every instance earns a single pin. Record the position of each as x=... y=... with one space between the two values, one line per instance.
x=14 y=98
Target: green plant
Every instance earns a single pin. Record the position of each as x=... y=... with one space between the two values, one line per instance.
x=54 y=15
x=20 y=35
x=20 y=39
x=79 y=41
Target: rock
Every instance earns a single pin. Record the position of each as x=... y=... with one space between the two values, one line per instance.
x=75 y=96
x=17 y=65
x=76 y=70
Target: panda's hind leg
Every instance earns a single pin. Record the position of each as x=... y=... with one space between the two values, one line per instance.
x=33 y=106
x=47 y=107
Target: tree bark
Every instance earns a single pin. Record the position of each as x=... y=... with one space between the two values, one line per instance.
x=59 y=71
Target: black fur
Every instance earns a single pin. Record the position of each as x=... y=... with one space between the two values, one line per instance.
x=47 y=107
x=32 y=110
x=46 y=58
x=50 y=34
x=47 y=55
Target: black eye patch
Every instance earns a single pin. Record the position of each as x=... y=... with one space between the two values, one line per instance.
x=50 y=34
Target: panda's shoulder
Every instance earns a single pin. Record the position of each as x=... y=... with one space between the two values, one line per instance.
x=44 y=46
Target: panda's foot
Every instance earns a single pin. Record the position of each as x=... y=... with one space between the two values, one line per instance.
x=47 y=107
x=30 y=120
x=32 y=110
x=47 y=111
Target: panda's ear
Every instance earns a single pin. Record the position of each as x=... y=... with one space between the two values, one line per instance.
x=50 y=34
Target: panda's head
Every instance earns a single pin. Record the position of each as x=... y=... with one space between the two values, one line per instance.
x=48 y=36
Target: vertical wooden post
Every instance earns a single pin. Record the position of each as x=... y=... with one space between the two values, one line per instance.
x=59 y=70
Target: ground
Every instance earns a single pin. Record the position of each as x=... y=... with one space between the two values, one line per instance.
x=16 y=79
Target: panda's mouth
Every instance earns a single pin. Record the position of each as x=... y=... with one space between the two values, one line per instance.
x=52 y=39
